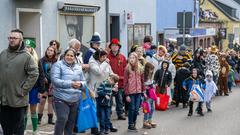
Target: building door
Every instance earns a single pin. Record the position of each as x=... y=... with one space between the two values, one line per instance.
x=114 y=27
x=29 y=21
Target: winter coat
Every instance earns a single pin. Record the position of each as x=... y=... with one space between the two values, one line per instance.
x=98 y=72
x=163 y=78
x=172 y=70
x=133 y=82
x=118 y=64
x=62 y=77
x=18 y=74
x=105 y=88
x=210 y=90
x=179 y=59
x=182 y=74
x=200 y=65
x=190 y=81
x=88 y=55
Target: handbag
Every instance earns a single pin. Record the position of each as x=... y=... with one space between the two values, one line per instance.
x=162 y=102
x=145 y=107
x=196 y=94
x=87 y=114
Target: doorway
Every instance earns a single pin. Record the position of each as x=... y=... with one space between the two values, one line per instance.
x=114 y=27
x=30 y=22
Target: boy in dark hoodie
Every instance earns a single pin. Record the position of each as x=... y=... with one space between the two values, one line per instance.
x=163 y=78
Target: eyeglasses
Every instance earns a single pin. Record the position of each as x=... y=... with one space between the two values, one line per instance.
x=13 y=38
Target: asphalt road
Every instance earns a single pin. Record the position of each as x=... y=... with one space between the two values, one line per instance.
x=224 y=120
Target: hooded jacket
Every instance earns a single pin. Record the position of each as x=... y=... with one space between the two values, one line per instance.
x=163 y=77
x=18 y=74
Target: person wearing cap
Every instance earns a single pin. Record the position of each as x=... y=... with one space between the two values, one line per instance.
x=94 y=45
x=180 y=57
x=18 y=74
x=38 y=87
x=212 y=63
x=118 y=64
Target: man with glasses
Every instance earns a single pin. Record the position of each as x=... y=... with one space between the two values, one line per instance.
x=18 y=74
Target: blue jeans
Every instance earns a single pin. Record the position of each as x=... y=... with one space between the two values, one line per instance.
x=148 y=116
x=105 y=118
x=66 y=115
x=133 y=108
x=119 y=102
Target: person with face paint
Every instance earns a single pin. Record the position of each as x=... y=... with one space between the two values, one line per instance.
x=18 y=74
x=134 y=88
x=47 y=61
x=188 y=83
x=68 y=82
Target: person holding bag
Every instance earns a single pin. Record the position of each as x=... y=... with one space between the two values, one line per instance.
x=151 y=95
x=68 y=81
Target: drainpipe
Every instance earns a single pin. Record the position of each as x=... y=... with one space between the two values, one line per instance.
x=107 y=20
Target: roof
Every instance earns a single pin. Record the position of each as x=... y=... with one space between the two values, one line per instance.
x=223 y=8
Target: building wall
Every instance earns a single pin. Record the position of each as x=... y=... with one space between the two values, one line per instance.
x=167 y=12
x=49 y=18
x=229 y=24
x=143 y=11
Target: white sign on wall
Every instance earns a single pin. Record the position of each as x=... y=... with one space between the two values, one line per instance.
x=129 y=18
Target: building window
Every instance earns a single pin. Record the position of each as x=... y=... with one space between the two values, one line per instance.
x=208 y=42
x=136 y=34
x=76 y=26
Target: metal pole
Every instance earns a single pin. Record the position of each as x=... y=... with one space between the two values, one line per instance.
x=184 y=26
x=107 y=20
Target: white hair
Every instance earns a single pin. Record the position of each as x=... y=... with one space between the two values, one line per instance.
x=73 y=42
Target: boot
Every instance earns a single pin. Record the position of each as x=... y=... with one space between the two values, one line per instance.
x=200 y=109
x=40 y=118
x=146 y=125
x=34 y=119
x=190 y=108
x=154 y=125
x=50 y=119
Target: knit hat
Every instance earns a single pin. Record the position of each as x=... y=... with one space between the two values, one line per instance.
x=116 y=42
x=29 y=43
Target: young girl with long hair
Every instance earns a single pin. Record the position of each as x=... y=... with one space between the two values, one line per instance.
x=134 y=87
x=148 y=81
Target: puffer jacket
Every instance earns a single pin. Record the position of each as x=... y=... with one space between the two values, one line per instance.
x=62 y=76
x=98 y=72
x=18 y=74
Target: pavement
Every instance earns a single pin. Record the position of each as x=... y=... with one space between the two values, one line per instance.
x=224 y=120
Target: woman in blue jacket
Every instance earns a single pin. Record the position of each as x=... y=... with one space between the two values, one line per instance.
x=68 y=82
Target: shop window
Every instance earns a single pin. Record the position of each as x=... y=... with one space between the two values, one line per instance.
x=136 y=34
x=201 y=42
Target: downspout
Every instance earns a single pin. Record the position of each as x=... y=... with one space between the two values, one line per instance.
x=107 y=20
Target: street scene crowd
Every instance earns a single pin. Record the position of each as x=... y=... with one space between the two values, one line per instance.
x=80 y=90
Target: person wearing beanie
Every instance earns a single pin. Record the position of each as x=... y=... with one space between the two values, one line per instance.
x=38 y=87
x=118 y=64
x=210 y=90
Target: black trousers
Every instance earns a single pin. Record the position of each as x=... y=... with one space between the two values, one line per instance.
x=12 y=120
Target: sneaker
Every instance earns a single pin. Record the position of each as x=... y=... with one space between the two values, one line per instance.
x=226 y=94
x=132 y=128
x=200 y=113
x=113 y=129
x=209 y=110
x=121 y=118
x=189 y=114
x=154 y=125
x=106 y=132
x=147 y=125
